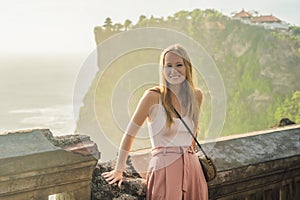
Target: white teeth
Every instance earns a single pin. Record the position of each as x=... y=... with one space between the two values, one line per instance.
x=174 y=76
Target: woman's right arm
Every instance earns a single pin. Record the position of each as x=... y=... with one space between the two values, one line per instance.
x=139 y=116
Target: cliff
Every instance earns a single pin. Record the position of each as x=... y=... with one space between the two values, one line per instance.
x=259 y=68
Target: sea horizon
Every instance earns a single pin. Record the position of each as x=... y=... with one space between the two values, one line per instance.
x=37 y=92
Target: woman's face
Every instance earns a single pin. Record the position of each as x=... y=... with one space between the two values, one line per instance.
x=174 y=68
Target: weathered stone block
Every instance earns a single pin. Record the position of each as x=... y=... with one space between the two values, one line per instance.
x=34 y=165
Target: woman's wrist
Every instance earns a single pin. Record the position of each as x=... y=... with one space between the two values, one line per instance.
x=121 y=160
x=119 y=170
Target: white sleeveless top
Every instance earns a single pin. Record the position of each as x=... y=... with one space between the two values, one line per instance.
x=176 y=135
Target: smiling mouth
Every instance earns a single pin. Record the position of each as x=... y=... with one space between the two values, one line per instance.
x=174 y=77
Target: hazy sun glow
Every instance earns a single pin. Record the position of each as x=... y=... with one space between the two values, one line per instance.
x=67 y=26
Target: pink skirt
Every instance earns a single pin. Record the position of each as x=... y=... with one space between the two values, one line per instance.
x=175 y=174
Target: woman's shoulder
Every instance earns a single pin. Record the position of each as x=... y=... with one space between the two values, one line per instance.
x=152 y=95
x=199 y=95
x=198 y=91
x=155 y=89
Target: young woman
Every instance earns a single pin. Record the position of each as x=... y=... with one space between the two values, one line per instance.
x=174 y=171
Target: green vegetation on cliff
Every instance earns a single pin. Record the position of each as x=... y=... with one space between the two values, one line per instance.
x=260 y=67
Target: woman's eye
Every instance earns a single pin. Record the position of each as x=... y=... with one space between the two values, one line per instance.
x=179 y=65
x=168 y=65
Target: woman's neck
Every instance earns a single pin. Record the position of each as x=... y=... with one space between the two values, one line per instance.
x=175 y=89
x=176 y=96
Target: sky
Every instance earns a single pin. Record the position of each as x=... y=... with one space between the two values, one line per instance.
x=66 y=26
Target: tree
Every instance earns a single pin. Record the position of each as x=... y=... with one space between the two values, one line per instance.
x=142 y=19
x=295 y=30
x=127 y=24
x=290 y=108
x=117 y=27
x=170 y=19
x=98 y=29
x=181 y=15
x=153 y=20
x=108 y=24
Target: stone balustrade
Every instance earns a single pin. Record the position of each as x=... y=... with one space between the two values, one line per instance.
x=258 y=165
x=35 y=165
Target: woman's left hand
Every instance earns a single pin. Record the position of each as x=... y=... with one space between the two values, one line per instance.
x=113 y=177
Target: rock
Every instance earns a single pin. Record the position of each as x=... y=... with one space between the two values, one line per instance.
x=126 y=197
x=285 y=122
x=133 y=187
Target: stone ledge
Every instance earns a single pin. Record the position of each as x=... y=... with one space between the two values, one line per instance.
x=81 y=144
x=263 y=165
x=34 y=164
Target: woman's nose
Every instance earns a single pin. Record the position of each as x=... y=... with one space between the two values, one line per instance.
x=173 y=70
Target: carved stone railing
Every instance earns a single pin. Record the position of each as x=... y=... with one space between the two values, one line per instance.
x=259 y=165
x=35 y=165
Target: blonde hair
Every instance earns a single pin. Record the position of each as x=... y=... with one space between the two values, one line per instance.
x=188 y=90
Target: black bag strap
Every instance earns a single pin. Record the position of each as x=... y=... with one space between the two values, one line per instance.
x=189 y=130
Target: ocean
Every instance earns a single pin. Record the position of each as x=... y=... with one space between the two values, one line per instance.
x=36 y=91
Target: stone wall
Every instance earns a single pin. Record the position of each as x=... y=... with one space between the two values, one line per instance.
x=259 y=165
x=35 y=165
